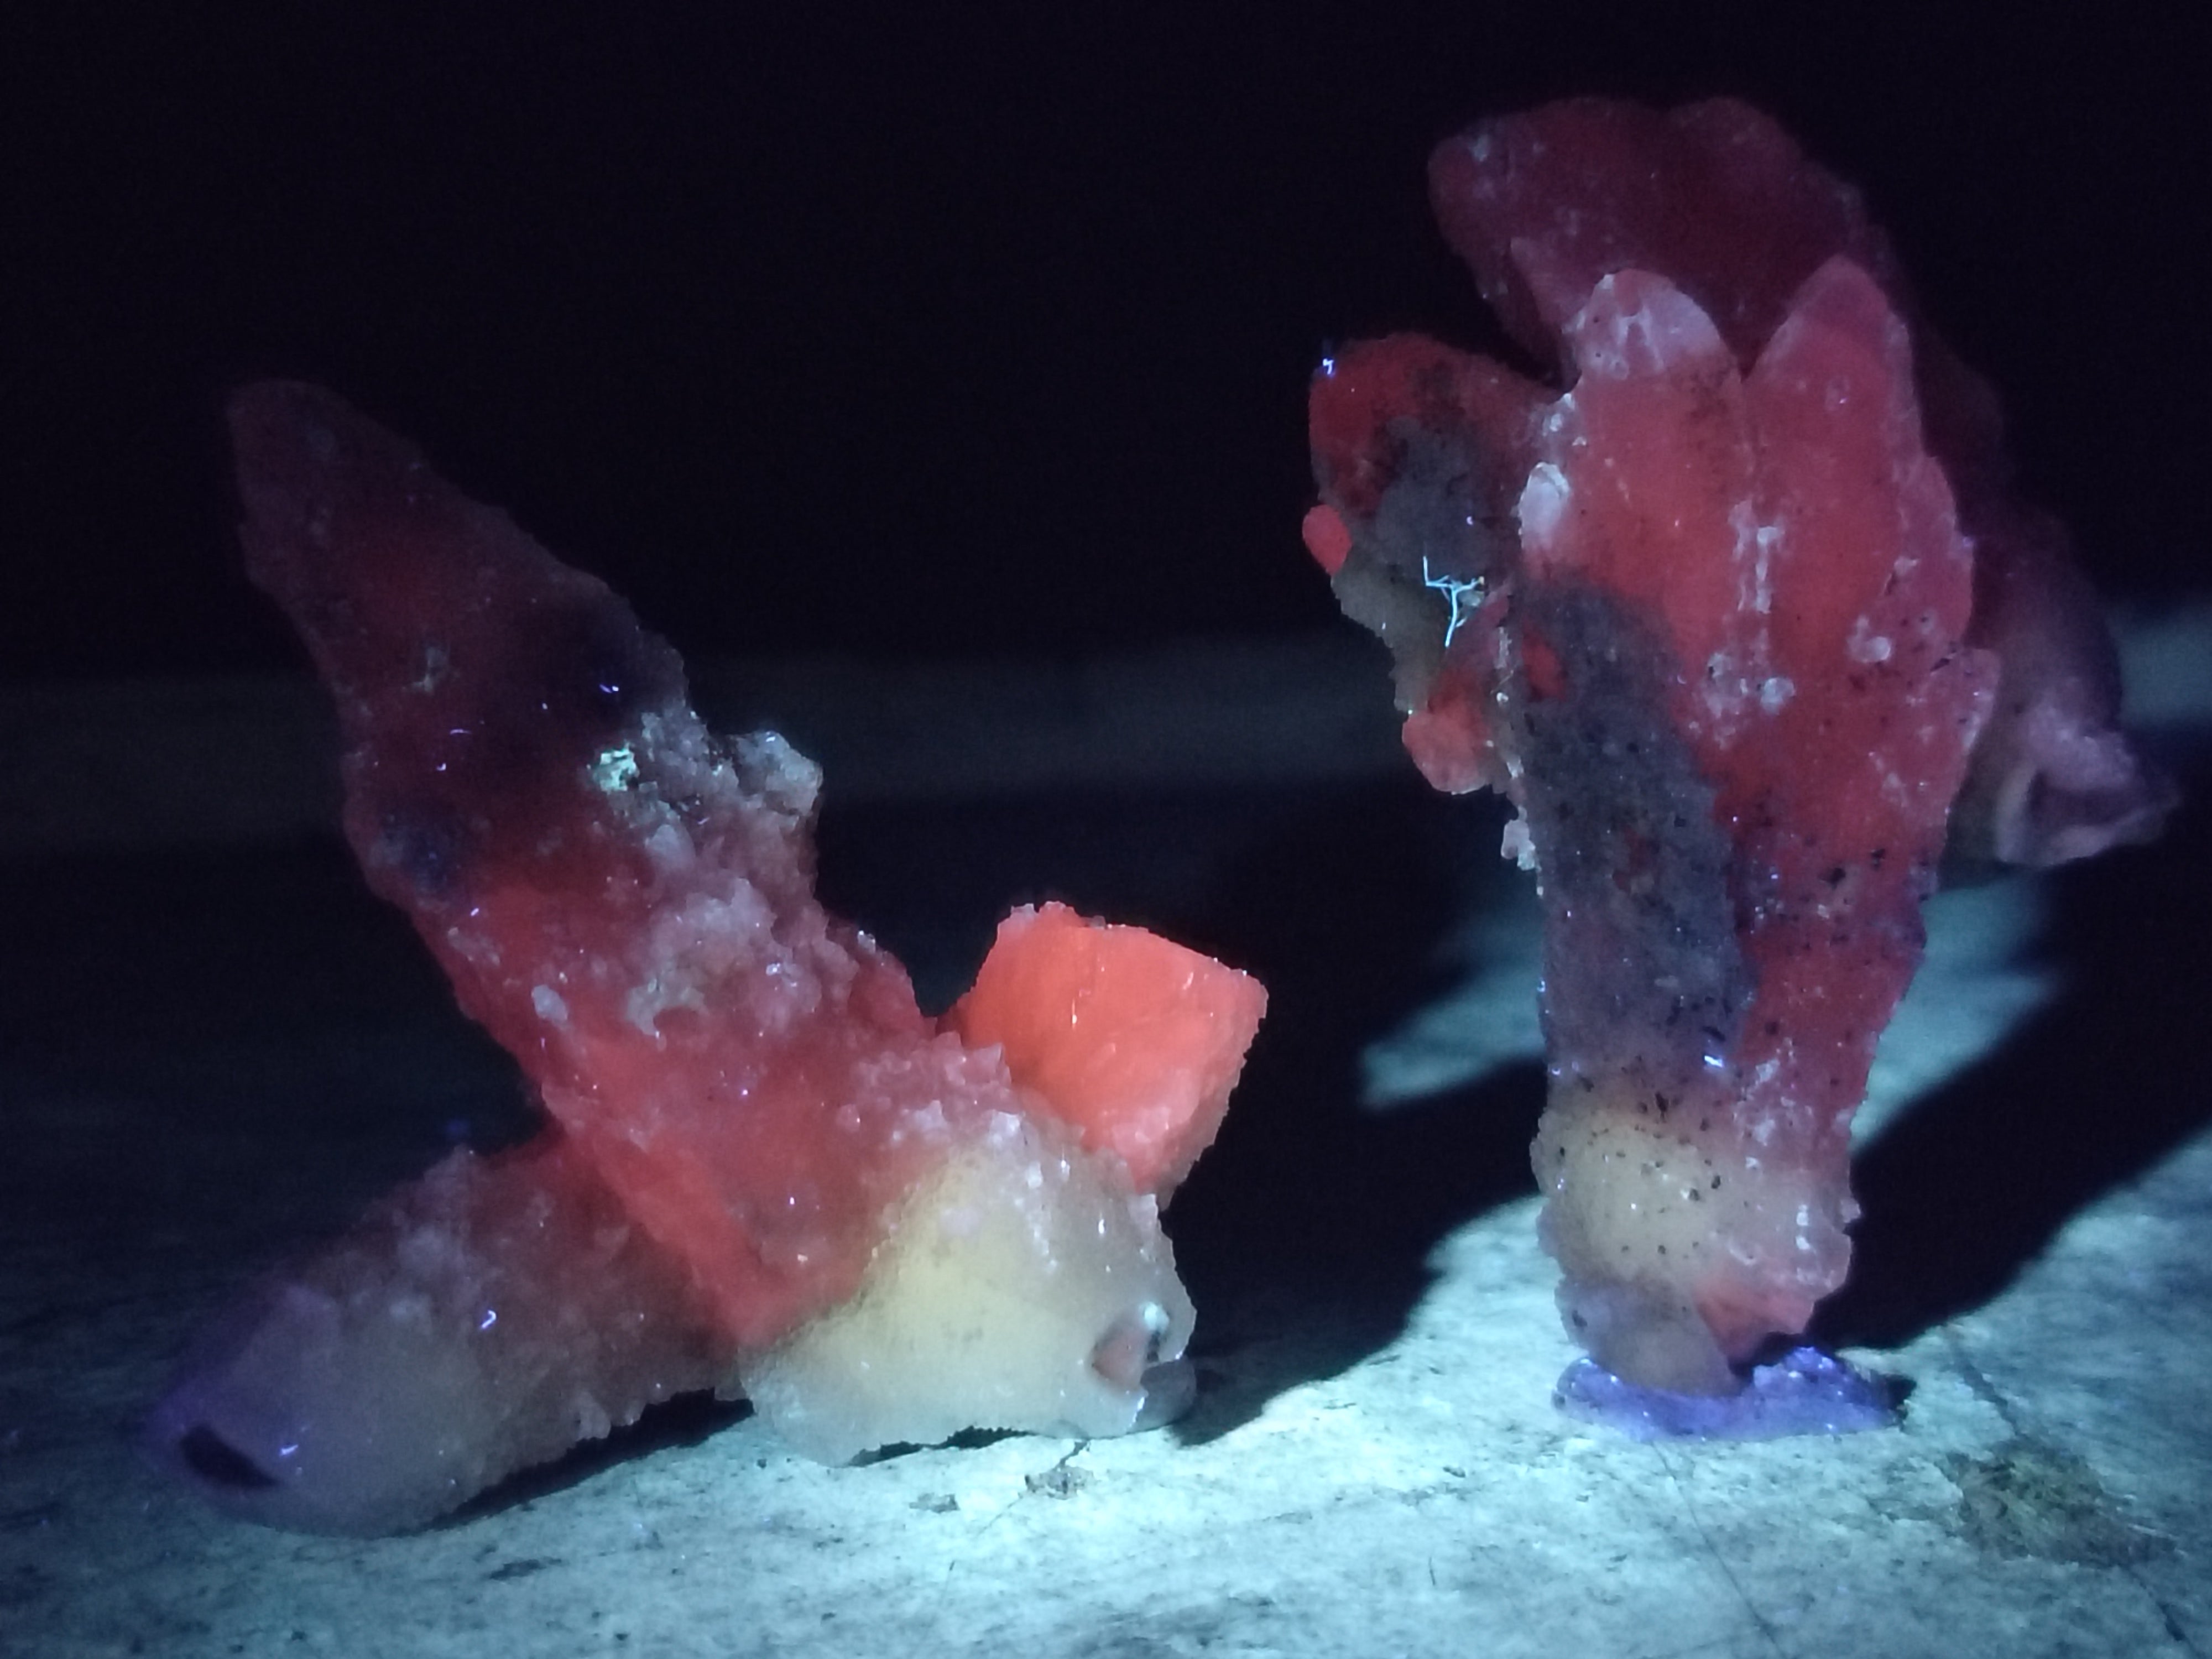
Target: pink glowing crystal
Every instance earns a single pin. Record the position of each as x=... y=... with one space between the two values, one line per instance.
x=1135 y=1041
x=1725 y=619
x=768 y=1170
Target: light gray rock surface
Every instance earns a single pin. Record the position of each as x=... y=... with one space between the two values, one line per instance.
x=207 y=1057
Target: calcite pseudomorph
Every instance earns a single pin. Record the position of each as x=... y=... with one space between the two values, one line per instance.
x=1742 y=615
x=765 y=1170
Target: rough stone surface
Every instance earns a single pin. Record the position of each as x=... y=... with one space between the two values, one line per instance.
x=1373 y=1465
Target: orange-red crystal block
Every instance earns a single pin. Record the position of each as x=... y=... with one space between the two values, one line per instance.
x=1133 y=1040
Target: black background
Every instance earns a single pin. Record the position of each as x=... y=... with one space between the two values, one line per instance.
x=930 y=331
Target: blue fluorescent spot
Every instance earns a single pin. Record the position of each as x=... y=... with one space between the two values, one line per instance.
x=490 y=1319
x=1804 y=1392
x=1328 y=369
x=1455 y=590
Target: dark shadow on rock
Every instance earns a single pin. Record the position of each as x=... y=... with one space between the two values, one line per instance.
x=1305 y=1235
x=1963 y=1191
x=966 y=1440
x=1319 y=1260
x=1305 y=1231
x=686 y=1421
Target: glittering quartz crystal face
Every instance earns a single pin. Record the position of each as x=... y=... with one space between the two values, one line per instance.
x=1706 y=613
x=765 y=1168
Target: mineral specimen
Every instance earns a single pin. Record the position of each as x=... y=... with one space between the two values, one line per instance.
x=1734 y=614
x=765 y=1171
x=1803 y=1392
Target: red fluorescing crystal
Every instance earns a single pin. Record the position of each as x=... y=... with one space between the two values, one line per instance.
x=1792 y=550
x=1133 y=1040
x=1714 y=195
x=1706 y=615
x=1327 y=538
x=624 y=901
x=765 y=1168
x=1386 y=412
x=1726 y=205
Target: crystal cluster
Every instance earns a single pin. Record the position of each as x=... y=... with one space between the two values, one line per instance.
x=765 y=1170
x=1737 y=608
